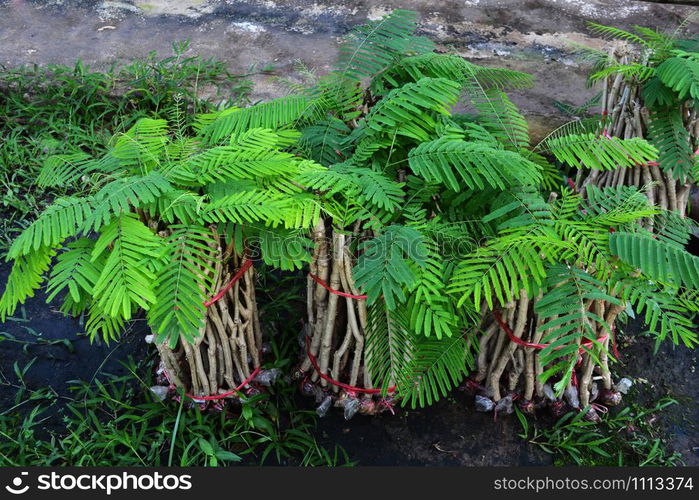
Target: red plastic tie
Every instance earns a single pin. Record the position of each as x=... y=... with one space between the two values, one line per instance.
x=218 y=396
x=347 y=387
x=598 y=407
x=336 y=292
x=521 y=342
x=246 y=265
x=615 y=351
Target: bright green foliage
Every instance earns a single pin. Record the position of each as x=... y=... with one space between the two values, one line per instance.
x=681 y=74
x=565 y=315
x=600 y=153
x=181 y=285
x=77 y=272
x=387 y=262
x=125 y=280
x=25 y=277
x=663 y=262
x=672 y=140
x=148 y=222
x=471 y=165
x=276 y=114
x=372 y=47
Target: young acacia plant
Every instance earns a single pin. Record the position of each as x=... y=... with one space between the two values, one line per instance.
x=650 y=87
x=169 y=221
x=444 y=242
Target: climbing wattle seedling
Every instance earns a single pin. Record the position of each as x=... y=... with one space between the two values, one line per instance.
x=450 y=247
x=169 y=222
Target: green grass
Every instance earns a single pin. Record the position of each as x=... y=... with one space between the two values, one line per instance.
x=631 y=436
x=117 y=421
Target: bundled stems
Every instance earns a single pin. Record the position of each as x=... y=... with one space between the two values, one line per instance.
x=228 y=347
x=625 y=116
x=337 y=324
x=510 y=370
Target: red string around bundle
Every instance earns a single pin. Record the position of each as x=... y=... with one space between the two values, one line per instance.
x=246 y=265
x=588 y=344
x=222 y=395
x=336 y=292
x=347 y=387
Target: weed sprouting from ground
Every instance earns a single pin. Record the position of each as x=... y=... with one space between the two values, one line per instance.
x=632 y=436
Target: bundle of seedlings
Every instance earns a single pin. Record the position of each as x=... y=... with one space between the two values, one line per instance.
x=440 y=225
x=379 y=323
x=169 y=222
x=650 y=87
x=552 y=283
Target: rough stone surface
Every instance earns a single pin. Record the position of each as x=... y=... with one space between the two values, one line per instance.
x=535 y=36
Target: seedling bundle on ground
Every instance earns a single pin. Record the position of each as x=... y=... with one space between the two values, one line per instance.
x=438 y=245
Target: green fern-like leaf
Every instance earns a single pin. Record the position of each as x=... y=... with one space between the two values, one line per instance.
x=435 y=368
x=567 y=321
x=142 y=147
x=452 y=67
x=681 y=74
x=459 y=163
x=370 y=48
x=247 y=206
x=499 y=115
x=64 y=218
x=125 y=280
x=503 y=267
x=406 y=110
x=225 y=163
x=422 y=369
x=75 y=272
x=656 y=258
x=26 y=276
x=63 y=170
x=122 y=195
x=182 y=284
x=276 y=114
x=600 y=153
x=667 y=133
x=386 y=264
x=665 y=316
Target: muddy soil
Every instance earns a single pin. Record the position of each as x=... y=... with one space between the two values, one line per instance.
x=450 y=433
x=35 y=328
x=669 y=373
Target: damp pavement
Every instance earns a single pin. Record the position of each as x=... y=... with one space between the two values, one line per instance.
x=536 y=36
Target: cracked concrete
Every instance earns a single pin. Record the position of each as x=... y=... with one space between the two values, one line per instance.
x=535 y=36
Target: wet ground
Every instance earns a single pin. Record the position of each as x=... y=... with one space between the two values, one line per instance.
x=56 y=348
x=448 y=433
